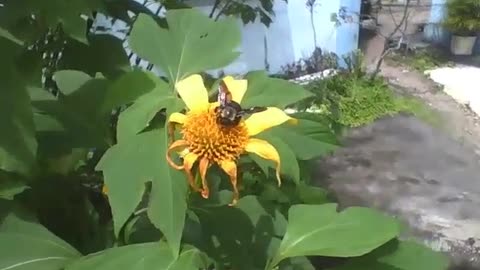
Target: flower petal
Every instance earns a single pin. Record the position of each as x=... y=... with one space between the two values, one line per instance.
x=188 y=162
x=230 y=168
x=193 y=92
x=173 y=147
x=203 y=166
x=177 y=117
x=266 y=151
x=236 y=87
x=269 y=118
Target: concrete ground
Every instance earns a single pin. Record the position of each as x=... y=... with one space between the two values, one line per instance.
x=428 y=177
x=423 y=177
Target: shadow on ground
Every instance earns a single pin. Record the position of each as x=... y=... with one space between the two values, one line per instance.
x=406 y=168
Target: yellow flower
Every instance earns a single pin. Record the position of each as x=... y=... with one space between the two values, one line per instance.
x=206 y=141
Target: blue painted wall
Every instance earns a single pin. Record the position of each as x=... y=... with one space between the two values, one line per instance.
x=436 y=33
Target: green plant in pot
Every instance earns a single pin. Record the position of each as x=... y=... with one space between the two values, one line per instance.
x=463 y=21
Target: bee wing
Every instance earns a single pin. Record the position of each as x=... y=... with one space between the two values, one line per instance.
x=251 y=110
x=224 y=95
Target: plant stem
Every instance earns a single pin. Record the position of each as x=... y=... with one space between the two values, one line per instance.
x=215 y=6
x=386 y=49
x=310 y=5
x=227 y=4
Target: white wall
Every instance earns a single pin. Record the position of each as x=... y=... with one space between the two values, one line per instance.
x=289 y=37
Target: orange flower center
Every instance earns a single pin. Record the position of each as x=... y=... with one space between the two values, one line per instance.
x=210 y=140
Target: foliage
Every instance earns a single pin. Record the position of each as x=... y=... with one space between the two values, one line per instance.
x=353 y=101
x=77 y=115
x=316 y=62
x=463 y=17
x=247 y=12
x=421 y=59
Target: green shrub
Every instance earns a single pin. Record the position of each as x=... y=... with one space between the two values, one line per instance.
x=463 y=17
x=421 y=60
x=367 y=102
x=352 y=101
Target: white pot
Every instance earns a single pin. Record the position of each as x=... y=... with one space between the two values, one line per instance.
x=461 y=45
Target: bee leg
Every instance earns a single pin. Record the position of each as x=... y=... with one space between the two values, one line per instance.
x=259 y=109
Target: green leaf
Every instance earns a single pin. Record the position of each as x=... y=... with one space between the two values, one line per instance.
x=138 y=116
x=79 y=113
x=399 y=255
x=242 y=237
x=257 y=211
x=269 y=225
x=226 y=235
x=266 y=91
x=289 y=164
x=318 y=230
x=311 y=194
x=18 y=145
x=146 y=154
x=308 y=139
x=9 y=188
x=129 y=87
x=192 y=43
x=104 y=53
x=27 y=245
x=70 y=80
x=154 y=255
x=297 y=263
x=75 y=27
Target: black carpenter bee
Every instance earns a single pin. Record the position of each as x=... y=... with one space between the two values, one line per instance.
x=229 y=113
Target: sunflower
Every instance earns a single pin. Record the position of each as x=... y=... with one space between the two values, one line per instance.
x=207 y=142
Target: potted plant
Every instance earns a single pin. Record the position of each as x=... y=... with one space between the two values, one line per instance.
x=463 y=21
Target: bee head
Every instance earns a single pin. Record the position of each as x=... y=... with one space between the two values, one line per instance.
x=229 y=114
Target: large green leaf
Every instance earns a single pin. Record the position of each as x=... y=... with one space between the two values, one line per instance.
x=137 y=117
x=154 y=255
x=308 y=139
x=319 y=230
x=192 y=43
x=75 y=27
x=266 y=91
x=399 y=255
x=311 y=194
x=258 y=211
x=128 y=165
x=29 y=246
x=48 y=14
x=104 y=53
x=70 y=80
x=79 y=113
x=242 y=237
x=297 y=263
x=289 y=164
x=86 y=108
x=129 y=87
x=10 y=186
x=18 y=145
